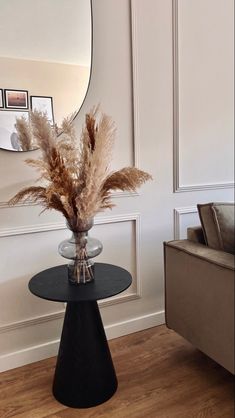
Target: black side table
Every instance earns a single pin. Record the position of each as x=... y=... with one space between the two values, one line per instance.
x=84 y=374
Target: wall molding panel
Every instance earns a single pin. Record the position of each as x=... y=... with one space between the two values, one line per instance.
x=31 y=322
x=114 y=195
x=131 y=217
x=178 y=213
x=31 y=229
x=177 y=186
x=135 y=79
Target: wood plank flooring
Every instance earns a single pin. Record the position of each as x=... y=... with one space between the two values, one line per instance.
x=160 y=376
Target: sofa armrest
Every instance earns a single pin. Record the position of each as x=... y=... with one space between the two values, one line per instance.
x=210 y=255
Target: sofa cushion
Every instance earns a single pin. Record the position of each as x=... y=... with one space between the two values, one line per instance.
x=195 y=234
x=217 y=220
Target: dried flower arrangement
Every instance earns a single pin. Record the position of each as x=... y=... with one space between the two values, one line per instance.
x=78 y=178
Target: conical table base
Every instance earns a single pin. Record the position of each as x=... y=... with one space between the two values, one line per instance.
x=84 y=374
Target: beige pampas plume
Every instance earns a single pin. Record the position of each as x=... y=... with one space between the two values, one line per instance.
x=24 y=134
x=77 y=177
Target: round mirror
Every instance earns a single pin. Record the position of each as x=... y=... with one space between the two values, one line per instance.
x=45 y=61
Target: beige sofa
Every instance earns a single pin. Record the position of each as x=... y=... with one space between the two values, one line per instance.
x=199 y=284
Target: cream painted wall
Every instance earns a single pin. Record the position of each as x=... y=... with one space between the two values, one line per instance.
x=65 y=83
x=132 y=79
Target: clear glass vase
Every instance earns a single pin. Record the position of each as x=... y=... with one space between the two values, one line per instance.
x=80 y=249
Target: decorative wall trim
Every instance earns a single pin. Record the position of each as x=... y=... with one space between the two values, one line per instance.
x=31 y=229
x=9 y=232
x=127 y=217
x=178 y=212
x=135 y=78
x=175 y=96
x=31 y=322
x=38 y=320
x=49 y=349
x=5 y=205
x=114 y=195
x=177 y=187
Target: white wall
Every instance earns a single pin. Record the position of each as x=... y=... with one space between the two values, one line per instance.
x=132 y=79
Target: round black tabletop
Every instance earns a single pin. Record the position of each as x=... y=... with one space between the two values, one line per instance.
x=52 y=284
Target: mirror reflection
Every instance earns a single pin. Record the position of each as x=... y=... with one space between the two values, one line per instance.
x=45 y=61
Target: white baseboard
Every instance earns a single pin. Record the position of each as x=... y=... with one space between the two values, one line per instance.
x=28 y=355
x=40 y=352
x=135 y=324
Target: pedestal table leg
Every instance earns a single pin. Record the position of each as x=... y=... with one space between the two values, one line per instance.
x=84 y=374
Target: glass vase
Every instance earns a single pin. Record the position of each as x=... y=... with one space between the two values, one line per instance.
x=80 y=249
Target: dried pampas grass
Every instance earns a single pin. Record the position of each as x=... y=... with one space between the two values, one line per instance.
x=78 y=182
x=24 y=134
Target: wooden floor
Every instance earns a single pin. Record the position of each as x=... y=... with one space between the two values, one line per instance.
x=160 y=376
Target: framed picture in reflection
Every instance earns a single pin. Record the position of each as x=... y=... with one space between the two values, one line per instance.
x=16 y=99
x=1 y=98
x=43 y=104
